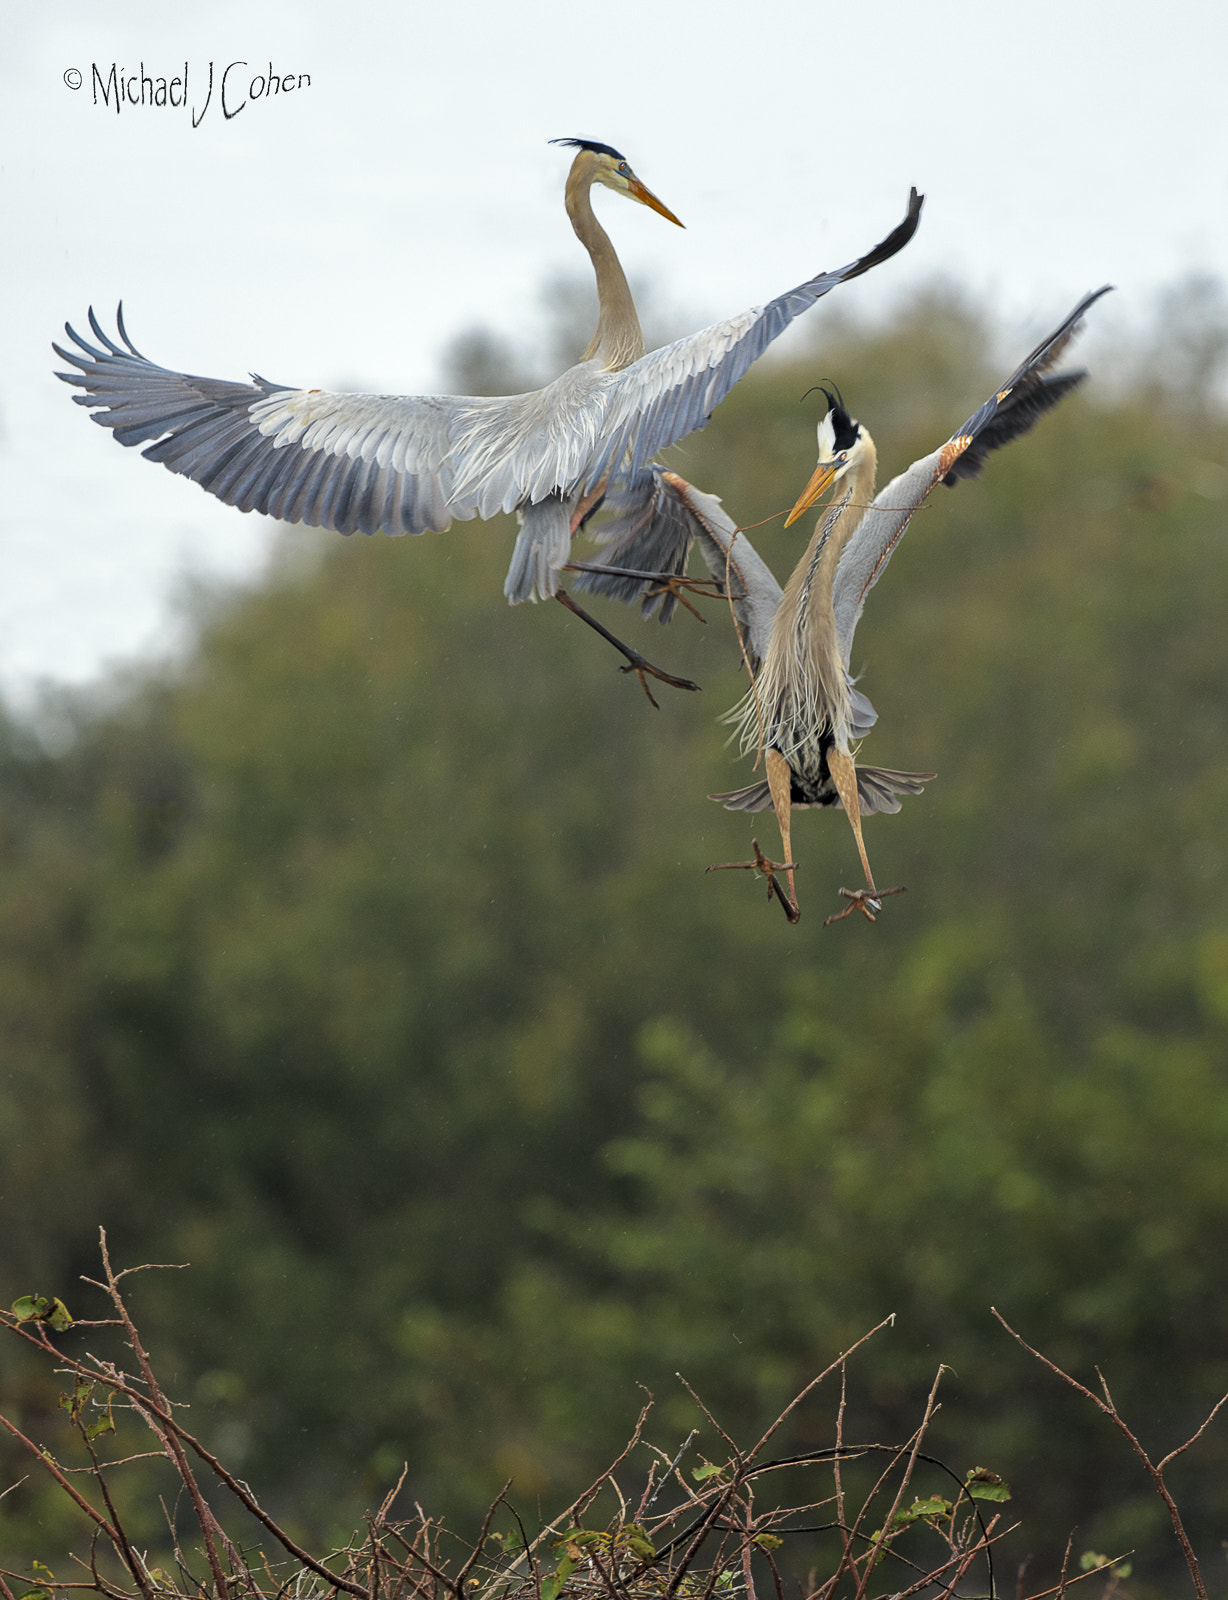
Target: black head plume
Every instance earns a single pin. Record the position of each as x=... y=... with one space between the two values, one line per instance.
x=845 y=427
x=591 y=144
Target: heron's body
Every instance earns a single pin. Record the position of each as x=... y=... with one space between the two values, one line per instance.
x=802 y=693
x=408 y=464
x=803 y=712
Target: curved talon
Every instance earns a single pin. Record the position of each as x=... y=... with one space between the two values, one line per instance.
x=867 y=901
x=769 y=870
x=674 y=584
x=640 y=665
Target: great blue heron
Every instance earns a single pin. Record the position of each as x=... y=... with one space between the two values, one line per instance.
x=802 y=710
x=411 y=463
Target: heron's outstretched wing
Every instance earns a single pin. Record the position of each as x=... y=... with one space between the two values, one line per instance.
x=731 y=559
x=1025 y=396
x=361 y=462
x=671 y=392
x=350 y=462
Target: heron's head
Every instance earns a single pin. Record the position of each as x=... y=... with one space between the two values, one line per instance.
x=600 y=163
x=842 y=443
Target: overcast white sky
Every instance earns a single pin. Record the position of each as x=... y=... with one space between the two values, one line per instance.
x=340 y=235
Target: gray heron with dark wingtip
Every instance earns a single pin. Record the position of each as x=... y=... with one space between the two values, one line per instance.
x=412 y=463
x=803 y=712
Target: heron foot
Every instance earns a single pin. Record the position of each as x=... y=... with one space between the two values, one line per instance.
x=677 y=584
x=868 y=901
x=661 y=583
x=769 y=869
x=636 y=662
x=640 y=665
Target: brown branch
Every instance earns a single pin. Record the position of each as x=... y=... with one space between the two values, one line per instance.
x=877 y=1545
x=1194 y=1437
x=1156 y=1473
x=606 y=1579
x=437 y=1573
x=714 y=1575
x=400 y=1567
x=128 y=1555
x=53 y=1468
x=95 y=1586
x=735 y=1455
x=748 y=1576
x=714 y=1510
x=149 y=1409
x=578 y=1505
x=1069 y=1582
x=204 y=1515
x=123 y=1461
x=243 y=1495
x=836 y=1462
x=961 y=1560
x=386 y=1503
x=478 y=1547
x=775 y=1571
x=815 y=1382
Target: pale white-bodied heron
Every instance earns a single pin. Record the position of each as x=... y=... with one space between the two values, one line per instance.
x=412 y=463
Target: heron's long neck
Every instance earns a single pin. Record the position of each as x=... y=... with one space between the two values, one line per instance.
x=618 y=340
x=804 y=669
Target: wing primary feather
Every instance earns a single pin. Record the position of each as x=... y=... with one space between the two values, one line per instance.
x=1022 y=409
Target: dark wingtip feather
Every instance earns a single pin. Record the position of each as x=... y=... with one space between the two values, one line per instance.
x=82 y=344
x=895 y=240
x=106 y=339
x=1051 y=349
x=1019 y=413
x=1023 y=399
x=123 y=332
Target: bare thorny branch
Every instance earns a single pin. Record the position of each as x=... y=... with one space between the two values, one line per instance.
x=1155 y=1469
x=703 y=1535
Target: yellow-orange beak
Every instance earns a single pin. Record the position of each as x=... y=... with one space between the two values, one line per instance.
x=637 y=191
x=823 y=475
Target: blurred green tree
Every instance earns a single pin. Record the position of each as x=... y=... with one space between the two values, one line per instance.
x=366 y=961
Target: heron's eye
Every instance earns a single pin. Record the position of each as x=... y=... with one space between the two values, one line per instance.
x=842 y=457
x=624 y=169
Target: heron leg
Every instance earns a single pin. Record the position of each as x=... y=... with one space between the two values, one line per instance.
x=869 y=900
x=780 y=782
x=635 y=661
x=588 y=505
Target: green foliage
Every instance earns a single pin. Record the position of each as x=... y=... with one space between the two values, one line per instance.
x=368 y=964
x=1089 y=1561
x=982 y=1484
x=38 y=1308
